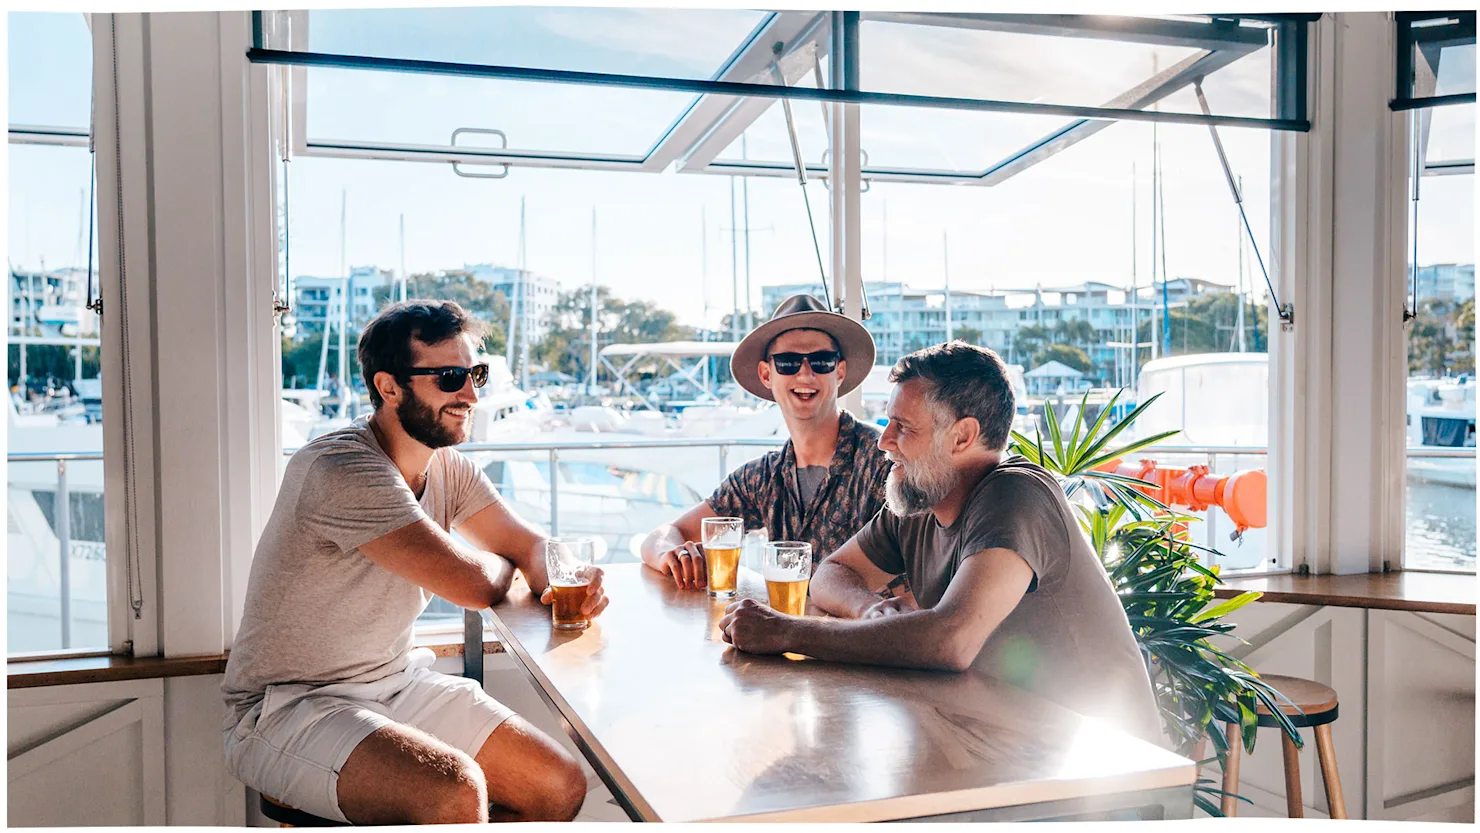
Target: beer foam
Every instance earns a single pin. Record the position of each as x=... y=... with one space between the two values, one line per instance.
x=777 y=572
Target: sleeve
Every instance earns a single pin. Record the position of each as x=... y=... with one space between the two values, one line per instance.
x=468 y=488
x=352 y=497
x=1019 y=512
x=879 y=540
x=731 y=496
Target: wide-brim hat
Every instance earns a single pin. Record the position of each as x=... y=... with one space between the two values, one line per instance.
x=804 y=312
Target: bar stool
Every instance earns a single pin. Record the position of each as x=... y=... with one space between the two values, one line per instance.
x=287 y=816
x=1315 y=707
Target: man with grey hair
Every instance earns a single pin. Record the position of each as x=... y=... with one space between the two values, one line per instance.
x=1003 y=577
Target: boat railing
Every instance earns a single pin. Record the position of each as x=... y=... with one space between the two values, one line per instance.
x=62 y=496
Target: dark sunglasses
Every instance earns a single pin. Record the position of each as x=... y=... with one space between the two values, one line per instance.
x=452 y=379
x=790 y=364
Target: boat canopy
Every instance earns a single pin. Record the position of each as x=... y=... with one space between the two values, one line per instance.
x=673 y=349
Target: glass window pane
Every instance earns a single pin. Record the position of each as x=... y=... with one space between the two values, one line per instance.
x=1451 y=135
x=667 y=43
x=404 y=108
x=1054 y=268
x=1021 y=62
x=50 y=69
x=1456 y=70
x=55 y=404
x=672 y=255
x=1441 y=377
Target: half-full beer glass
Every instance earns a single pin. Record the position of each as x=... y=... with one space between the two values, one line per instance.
x=568 y=561
x=722 y=539
x=787 y=567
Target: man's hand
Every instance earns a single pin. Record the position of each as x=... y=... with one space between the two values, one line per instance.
x=890 y=607
x=757 y=629
x=685 y=563
x=595 y=600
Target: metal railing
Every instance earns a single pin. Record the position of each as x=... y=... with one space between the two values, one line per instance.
x=61 y=506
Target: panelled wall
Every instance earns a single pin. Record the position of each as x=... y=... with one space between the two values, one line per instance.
x=1405 y=738
x=149 y=752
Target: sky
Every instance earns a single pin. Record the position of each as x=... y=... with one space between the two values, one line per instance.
x=1084 y=214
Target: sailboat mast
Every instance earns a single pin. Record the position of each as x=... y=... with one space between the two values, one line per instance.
x=524 y=299
x=734 y=269
x=343 y=311
x=1155 y=175
x=1166 y=309
x=945 y=263
x=517 y=291
x=1239 y=230
x=745 y=217
x=402 y=292
x=591 y=385
x=1135 y=290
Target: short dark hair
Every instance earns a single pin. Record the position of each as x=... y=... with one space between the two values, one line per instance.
x=772 y=343
x=385 y=343
x=966 y=381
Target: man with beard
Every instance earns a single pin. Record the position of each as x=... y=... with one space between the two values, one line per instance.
x=828 y=479
x=1005 y=580
x=329 y=708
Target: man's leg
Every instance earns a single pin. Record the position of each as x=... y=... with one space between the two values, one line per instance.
x=401 y=775
x=529 y=776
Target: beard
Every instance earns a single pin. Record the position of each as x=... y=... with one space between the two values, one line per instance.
x=913 y=488
x=425 y=426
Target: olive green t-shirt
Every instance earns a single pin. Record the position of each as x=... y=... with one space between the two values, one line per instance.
x=1068 y=639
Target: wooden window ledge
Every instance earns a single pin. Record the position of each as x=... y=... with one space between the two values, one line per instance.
x=76 y=670
x=1411 y=591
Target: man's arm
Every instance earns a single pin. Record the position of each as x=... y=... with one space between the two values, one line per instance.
x=847 y=583
x=495 y=528
x=949 y=636
x=659 y=547
x=425 y=555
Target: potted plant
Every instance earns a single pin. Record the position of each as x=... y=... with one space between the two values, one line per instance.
x=1167 y=592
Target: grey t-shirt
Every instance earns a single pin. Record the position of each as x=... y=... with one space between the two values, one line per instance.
x=1068 y=639
x=317 y=611
x=809 y=480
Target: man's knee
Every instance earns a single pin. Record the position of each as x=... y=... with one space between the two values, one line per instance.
x=561 y=794
x=460 y=795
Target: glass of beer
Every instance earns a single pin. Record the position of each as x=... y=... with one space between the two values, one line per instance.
x=568 y=562
x=787 y=567
x=722 y=540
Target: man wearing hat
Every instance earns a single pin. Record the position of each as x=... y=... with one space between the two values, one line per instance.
x=828 y=480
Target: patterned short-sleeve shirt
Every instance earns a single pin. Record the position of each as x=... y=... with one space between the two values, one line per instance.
x=764 y=492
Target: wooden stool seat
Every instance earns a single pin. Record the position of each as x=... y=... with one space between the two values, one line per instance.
x=287 y=816
x=1312 y=705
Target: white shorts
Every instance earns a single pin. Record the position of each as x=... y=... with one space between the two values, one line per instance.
x=292 y=744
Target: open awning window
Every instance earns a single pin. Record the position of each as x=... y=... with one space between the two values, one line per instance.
x=700 y=90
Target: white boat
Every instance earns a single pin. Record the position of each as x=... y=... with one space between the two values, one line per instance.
x=1441 y=414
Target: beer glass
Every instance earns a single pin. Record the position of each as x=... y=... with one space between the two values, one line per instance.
x=568 y=562
x=722 y=539
x=787 y=567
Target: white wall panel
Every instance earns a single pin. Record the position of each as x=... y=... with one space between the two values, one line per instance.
x=1406 y=683
x=86 y=755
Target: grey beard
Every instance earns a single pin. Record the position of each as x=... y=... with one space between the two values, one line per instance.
x=906 y=496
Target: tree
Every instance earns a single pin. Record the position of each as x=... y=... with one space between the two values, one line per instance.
x=474 y=295
x=1031 y=339
x=1077 y=333
x=567 y=345
x=970 y=335
x=1208 y=324
x=1442 y=341
x=1065 y=354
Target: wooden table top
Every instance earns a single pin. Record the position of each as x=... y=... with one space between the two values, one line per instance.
x=1418 y=592
x=689 y=729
